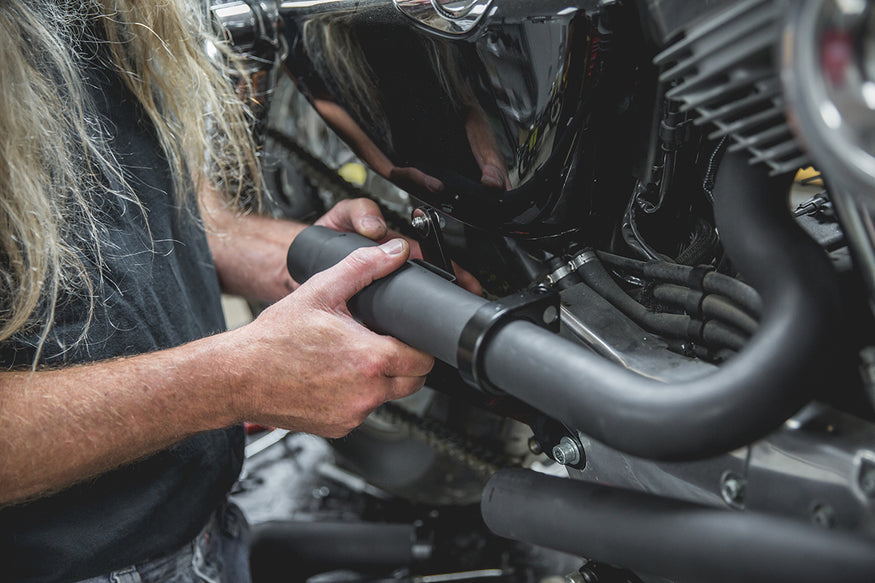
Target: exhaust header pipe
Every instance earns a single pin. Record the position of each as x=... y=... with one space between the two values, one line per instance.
x=748 y=397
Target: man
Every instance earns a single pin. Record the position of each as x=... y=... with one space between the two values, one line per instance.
x=120 y=398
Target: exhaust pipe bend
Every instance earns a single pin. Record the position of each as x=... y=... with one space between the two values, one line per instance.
x=748 y=397
x=669 y=538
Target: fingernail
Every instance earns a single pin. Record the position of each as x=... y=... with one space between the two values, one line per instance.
x=393 y=247
x=371 y=223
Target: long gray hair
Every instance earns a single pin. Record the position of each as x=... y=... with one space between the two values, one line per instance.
x=53 y=151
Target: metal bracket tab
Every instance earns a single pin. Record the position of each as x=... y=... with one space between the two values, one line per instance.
x=427 y=223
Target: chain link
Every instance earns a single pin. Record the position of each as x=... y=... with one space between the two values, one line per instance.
x=444 y=440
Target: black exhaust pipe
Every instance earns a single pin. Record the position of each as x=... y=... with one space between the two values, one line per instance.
x=669 y=538
x=748 y=397
x=294 y=551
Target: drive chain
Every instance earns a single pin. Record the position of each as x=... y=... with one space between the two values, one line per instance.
x=444 y=440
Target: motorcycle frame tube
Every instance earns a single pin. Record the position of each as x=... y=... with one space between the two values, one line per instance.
x=748 y=397
x=666 y=537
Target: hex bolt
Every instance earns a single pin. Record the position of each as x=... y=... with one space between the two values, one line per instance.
x=420 y=224
x=732 y=489
x=567 y=452
x=823 y=515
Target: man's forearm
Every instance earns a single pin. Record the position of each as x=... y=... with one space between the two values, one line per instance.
x=58 y=427
x=304 y=364
x=249 y=250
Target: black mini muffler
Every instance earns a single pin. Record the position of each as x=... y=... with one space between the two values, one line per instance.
x=659 y=536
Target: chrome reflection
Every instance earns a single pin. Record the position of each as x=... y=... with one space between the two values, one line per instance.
x=498 y=128
x=829 y=74
x=446 y=16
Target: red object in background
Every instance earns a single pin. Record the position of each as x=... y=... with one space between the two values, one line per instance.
x=836 y=55
x=252 y=428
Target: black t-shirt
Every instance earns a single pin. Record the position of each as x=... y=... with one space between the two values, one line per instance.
x=158 y=288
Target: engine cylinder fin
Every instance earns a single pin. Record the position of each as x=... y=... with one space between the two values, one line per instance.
x=715 y=94
x=749 y=123
x=762 y=139
x=707 y=27
x=724 y=43
x=713 y=69
x=780 y=151
x=737 y=107
x=724 y=70
x=790 y=166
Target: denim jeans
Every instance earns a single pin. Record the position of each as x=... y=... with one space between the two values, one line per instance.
x=219 y=554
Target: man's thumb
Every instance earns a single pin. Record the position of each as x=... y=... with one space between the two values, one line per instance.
x=361 y=267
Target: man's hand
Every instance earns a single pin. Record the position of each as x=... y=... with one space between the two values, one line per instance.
x=362 y=216
x=305 y=364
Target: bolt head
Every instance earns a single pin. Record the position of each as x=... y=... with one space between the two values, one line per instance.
x=732 y=489
x=823 y=515
x=566 y=452
x=420 y=224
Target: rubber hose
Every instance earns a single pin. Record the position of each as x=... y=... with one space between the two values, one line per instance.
x=676 y=326
x=739 y=292
x=712 y=306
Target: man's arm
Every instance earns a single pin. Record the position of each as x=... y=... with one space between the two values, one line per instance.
x=303 y=364
x=250 y=250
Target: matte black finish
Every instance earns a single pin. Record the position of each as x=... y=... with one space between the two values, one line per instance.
x=413 y=304
x=744 y=400
x=294 y=551
x=669 y=538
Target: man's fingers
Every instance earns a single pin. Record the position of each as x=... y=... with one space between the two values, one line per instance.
x=405 y=361
x=359 y=215
x=467 y=281
x=337 y=284
x=405 y=386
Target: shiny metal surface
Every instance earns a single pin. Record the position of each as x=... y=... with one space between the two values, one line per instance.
x=829 y=78
x=590 y=319
x=239 y=21
x=250 y=25
x=454 y=17
x=500 y=127
x=813 y=469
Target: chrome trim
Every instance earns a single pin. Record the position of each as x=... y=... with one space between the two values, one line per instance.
x=440 y=16
x=830 y=89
